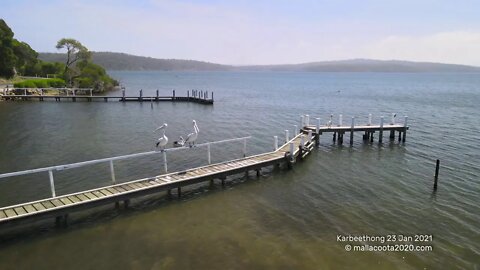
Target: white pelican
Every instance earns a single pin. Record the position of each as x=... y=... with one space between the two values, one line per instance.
x=179 y=143
x=192 y=137
x=163 y=140
x=329 y=123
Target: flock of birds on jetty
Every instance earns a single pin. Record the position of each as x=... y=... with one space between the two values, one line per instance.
x=190 y=140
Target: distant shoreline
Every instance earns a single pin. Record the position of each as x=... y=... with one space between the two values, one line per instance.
x=125 y=62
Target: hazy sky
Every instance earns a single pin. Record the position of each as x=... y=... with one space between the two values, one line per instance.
x=256 y=32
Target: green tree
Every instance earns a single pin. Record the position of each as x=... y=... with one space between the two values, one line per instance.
x=7 y=55
x=75 y=52
x=26 y=57
x=94 y=76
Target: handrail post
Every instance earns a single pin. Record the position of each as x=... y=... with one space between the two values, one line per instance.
x=165 y=166
x=287 y=136
x=369 y=119
x=245 y=147
x=112 y=172
x=52 y=183
x=209 y=156
x=392 y=121
x=302 y=121
x=275 y=142
x=307 y=120
x=340 y=120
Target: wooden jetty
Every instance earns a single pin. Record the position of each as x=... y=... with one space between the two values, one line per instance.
x=195 y=96
x=60 y=206
x=369 y=129
x=293 y=150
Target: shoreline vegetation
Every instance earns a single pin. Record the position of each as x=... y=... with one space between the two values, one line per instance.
x=21 y=66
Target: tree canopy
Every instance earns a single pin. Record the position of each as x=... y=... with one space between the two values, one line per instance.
x=7 y=59
x=18 y=57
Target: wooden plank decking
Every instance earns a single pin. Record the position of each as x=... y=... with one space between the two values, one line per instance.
x=65 y=204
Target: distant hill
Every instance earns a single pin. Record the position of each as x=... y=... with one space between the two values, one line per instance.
x=367 y=65
x=122 y=61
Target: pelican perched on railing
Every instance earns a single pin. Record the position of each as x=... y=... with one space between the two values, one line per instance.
x=163 y=140
x=192 y=137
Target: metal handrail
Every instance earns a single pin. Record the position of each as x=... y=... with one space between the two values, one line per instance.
x=112 y=159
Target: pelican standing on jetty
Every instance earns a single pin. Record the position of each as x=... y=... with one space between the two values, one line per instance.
x=192 y=137
x=329 y=123
x=163 y=140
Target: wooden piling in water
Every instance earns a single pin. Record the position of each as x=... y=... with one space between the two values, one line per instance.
x=380 y=135
x=437 y=168
x=351 y=131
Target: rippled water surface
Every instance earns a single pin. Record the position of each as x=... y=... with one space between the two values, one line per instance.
x=285 y=219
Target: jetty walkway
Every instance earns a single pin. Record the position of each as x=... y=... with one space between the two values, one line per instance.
x=293 y=150
x=195 y=96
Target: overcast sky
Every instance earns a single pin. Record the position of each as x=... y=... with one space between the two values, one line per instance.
x=256 y=32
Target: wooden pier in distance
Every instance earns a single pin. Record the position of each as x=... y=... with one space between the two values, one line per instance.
x=195 y=96
x=369 y=129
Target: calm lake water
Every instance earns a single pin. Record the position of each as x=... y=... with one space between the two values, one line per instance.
x=285 y=219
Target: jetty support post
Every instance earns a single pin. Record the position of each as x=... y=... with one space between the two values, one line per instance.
x=351 y=130
x=302 y=121
x=317 y=132
x=275 y=143
x=212 y=95
x=292 y=152
x=340 y=120
x=52 y=183
x=112 y=172
x=405 y=129
x=392 y=120
x=209 y=156
x=295 y=130
x=437 y=168
x=123 y=95
x=188 y=94
x=245 y=147
x=287 y=136
x=309 y=136
x=141 y=95
x=173 y=94
x=165 y=166
x=369 y=119
x=380 y=135
x=307 y=120
x=156 y=98
x=301 y=146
